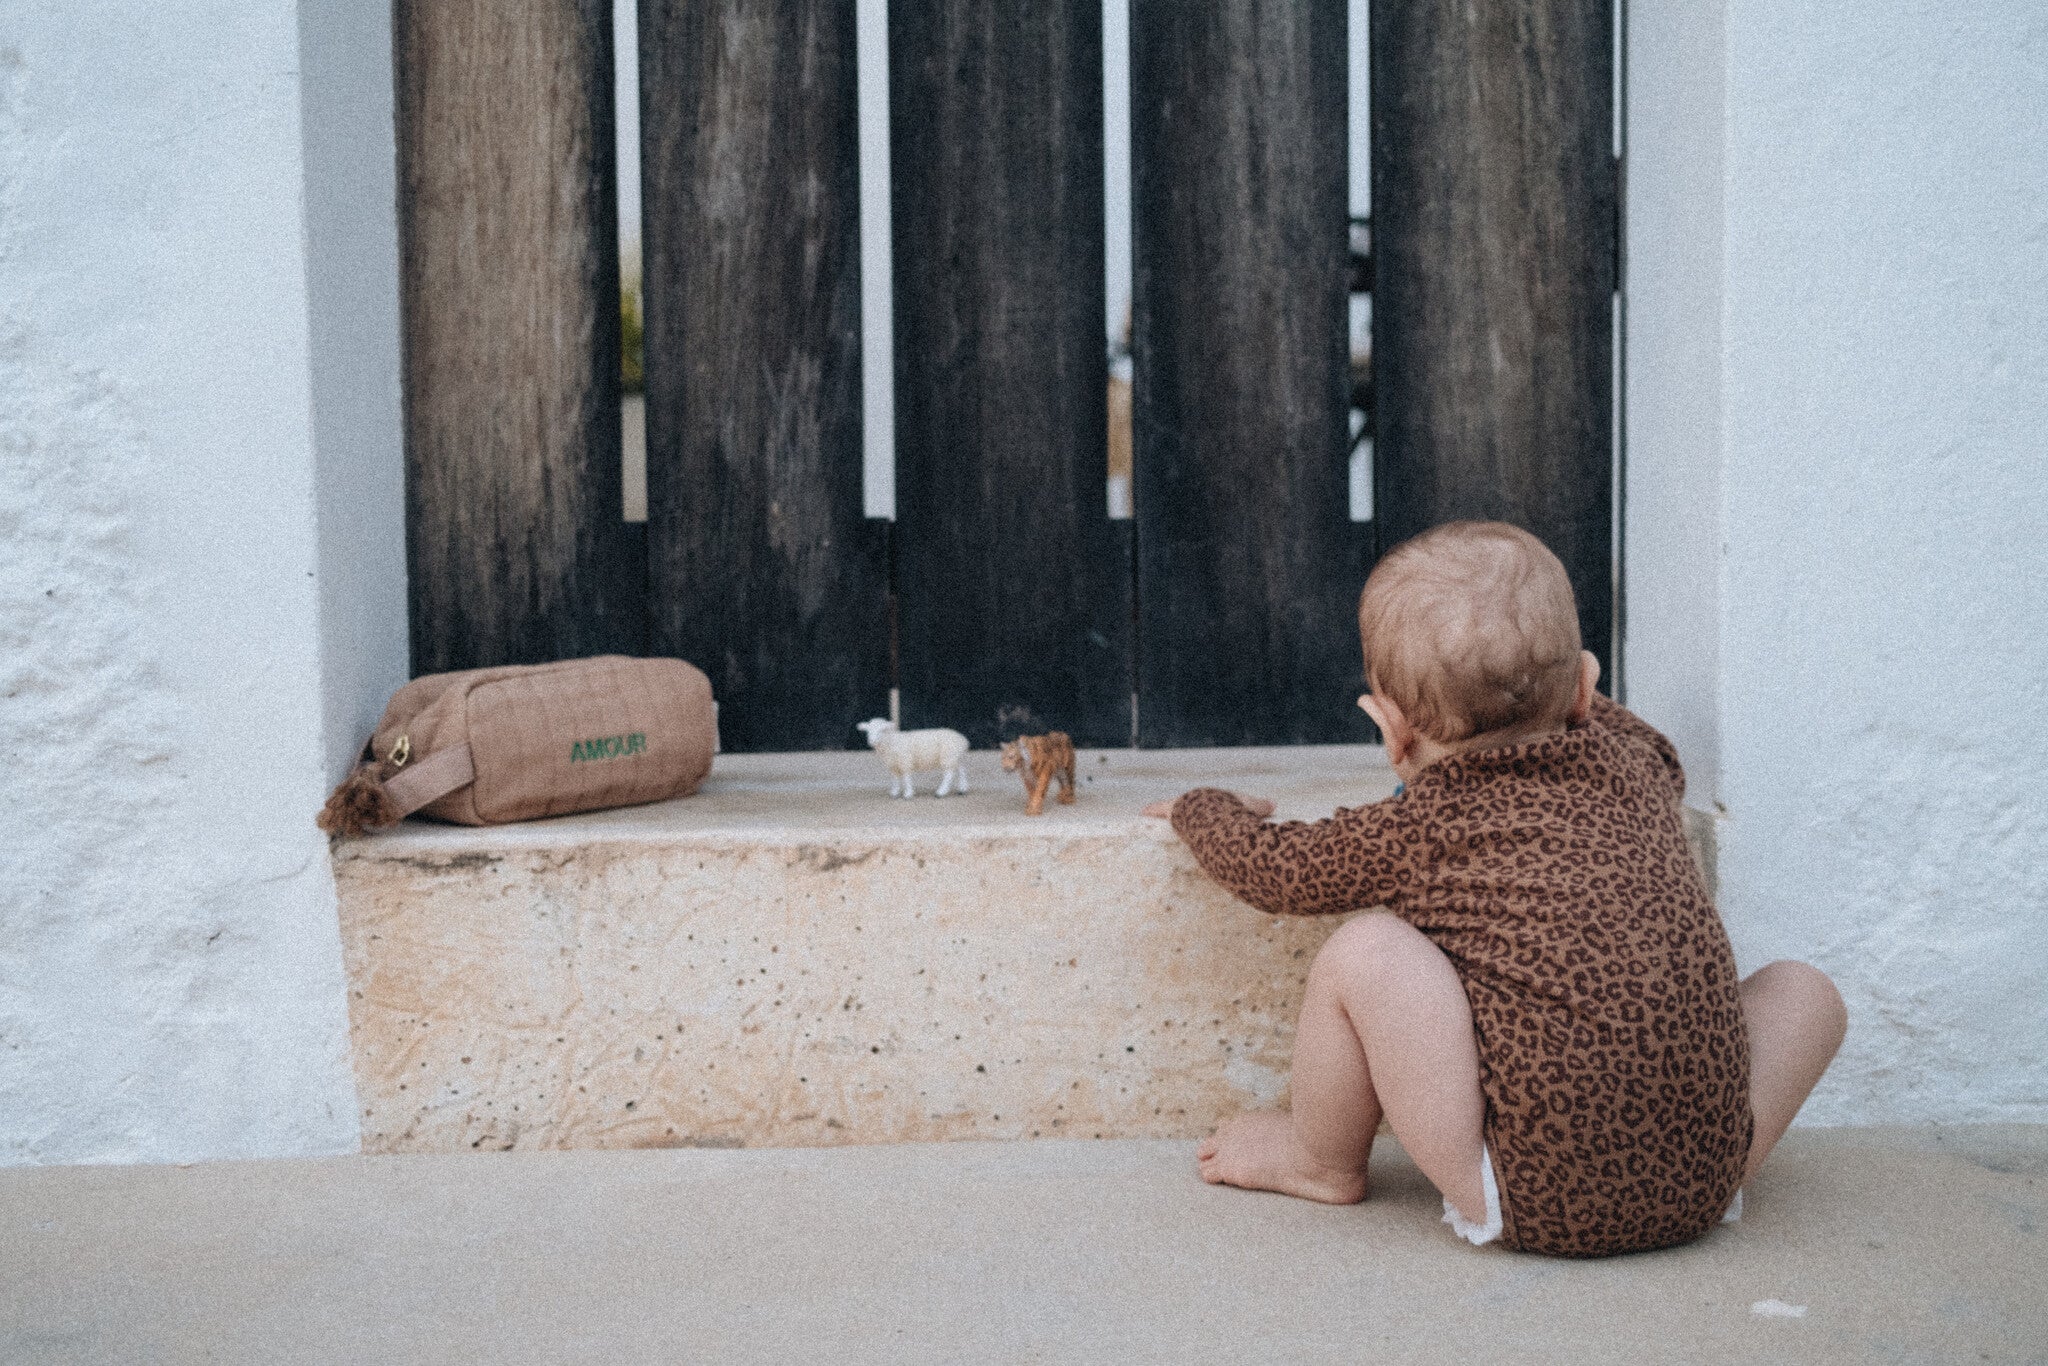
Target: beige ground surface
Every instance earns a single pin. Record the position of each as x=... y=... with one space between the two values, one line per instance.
x=1859 y=1246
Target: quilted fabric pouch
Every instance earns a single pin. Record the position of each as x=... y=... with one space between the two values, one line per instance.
x=487 y=746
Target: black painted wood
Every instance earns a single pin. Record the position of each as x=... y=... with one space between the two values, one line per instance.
x=508 y=242
x=1249 y=564
x=1013 y=587
x=762 y=569
x=1494 y=212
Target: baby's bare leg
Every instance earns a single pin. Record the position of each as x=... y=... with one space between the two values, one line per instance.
x=1796 y=1021
x=1385 y=1028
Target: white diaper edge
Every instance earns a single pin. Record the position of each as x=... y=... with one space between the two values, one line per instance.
x=1479 y=1235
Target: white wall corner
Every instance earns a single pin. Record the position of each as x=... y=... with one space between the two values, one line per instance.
x=353 y=305
x=1672 y=529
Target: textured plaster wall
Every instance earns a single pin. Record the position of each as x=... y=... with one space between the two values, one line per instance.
x=1885 y=494
x=1851 y=398
x=170 y=968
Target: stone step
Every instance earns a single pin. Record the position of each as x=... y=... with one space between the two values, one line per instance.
x=792 y=958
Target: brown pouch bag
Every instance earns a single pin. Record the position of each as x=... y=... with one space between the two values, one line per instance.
x=485 y=746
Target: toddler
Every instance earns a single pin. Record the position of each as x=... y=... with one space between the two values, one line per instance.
x=1549 y=1019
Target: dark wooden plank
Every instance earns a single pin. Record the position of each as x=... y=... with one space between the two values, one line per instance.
x=763 y=570
x=1493 y=205
x=1013 y=591
x=508 y=237
x=1249 y=564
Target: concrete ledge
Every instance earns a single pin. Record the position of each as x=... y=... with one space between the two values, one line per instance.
x=792 y=958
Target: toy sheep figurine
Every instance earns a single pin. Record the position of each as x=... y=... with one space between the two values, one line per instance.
x=908 y=751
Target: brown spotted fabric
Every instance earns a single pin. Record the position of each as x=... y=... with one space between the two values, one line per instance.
x=1556 y=877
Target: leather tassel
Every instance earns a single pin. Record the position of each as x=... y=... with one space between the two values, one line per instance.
x=360 y=804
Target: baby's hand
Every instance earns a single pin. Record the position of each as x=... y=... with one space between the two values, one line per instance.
x=1259 y=806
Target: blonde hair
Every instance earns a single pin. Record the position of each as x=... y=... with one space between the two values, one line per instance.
x=1471 y=628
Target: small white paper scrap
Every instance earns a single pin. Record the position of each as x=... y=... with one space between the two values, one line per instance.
x=1777 y=1309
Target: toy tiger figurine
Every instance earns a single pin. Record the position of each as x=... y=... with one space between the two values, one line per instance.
x=1039 y=759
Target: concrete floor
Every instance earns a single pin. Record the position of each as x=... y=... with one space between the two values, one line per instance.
x=1900 y=1245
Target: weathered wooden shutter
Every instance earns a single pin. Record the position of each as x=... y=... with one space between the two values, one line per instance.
x=1249 y=564
x=1494 y=219
x=1013 y=585
x=508 y=236
x=762 y=568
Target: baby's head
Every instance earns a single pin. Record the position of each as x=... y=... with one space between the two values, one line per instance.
x=1470 y=629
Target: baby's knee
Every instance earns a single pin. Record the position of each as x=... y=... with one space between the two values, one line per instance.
x=1367 y=943
x=1807 y=989
x=1369 y=933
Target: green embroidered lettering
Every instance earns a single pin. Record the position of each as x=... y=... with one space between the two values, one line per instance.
x=607 y=747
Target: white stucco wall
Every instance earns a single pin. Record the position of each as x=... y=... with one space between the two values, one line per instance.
x=1851 y=397
x=170 y=970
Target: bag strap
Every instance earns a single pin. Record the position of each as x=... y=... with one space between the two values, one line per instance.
x=427 y=780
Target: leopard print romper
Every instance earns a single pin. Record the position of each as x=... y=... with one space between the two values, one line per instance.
x=1555 y=876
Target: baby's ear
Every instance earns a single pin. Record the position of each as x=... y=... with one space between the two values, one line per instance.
x=1395 y=732
x=1589 y=679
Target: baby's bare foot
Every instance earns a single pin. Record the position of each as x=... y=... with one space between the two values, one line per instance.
x=1259 y=1152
